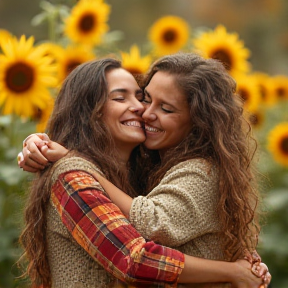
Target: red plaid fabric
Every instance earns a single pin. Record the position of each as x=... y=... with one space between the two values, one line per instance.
x=103 y=231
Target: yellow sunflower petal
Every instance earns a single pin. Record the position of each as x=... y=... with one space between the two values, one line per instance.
x=44 y=116
x=278 y=143
x=4 y=36
x=134 y=63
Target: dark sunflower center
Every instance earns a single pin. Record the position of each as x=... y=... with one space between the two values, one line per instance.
x=284 y=145
x=263 y=92
x=224 y=57
x=71 y=66
x=280 y=92
x=169 y=36
x=19 y=77
x=87 y=23
x=37 y=114
x=244 y=94
x=254 y=119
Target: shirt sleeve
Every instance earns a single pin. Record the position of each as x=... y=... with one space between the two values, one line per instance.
x=106 y=235
x=181 y=208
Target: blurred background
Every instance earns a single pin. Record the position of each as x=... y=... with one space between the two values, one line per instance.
x=252 y=35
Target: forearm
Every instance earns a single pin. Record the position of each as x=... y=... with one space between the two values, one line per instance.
x=238 y=274
x=198 y=270
x=117 y=196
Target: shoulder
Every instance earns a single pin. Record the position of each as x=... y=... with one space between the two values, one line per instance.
x=72 y=163
x=198 y=165
x=74 y=173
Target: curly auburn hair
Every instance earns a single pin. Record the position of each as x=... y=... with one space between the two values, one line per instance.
x=221 y=135
x=76 y=123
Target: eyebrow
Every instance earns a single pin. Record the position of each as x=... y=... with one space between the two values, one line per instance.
x=166 y=103
x=122 y=90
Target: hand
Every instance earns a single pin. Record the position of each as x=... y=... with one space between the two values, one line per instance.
x=261 y=270
x=37 y=161
x=244 y=278
x=38 y=151
x=258 y=268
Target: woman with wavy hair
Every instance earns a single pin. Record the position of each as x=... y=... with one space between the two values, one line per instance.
x=203 y=197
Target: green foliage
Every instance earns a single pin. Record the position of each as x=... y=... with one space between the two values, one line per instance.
x=12 y=186
x=273 y=246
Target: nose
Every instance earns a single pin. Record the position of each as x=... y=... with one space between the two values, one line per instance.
x=148 y=114
x=137 y=108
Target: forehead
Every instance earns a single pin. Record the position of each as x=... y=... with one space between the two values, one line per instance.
x=164 y=85
x=119 y=78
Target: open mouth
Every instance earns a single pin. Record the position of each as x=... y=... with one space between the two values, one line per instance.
x=133 y=123
x=152 y=129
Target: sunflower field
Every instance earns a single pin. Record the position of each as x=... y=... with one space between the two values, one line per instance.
x=32 y=69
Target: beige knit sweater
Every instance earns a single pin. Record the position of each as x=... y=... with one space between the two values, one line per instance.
x=181 y=212
x=70 y=264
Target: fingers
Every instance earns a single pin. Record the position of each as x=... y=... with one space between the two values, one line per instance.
x=34 y=156
x=53 y=151
x=267 y=279
x=21 y=164
x=31 y=159
x=262 y=269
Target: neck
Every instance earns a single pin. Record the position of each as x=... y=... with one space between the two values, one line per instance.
x=123 y=157
x=162 y=153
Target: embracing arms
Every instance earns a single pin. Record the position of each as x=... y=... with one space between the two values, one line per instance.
x=49 y=148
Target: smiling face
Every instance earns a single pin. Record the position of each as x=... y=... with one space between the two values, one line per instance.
x=123 y=110
x=167 y=118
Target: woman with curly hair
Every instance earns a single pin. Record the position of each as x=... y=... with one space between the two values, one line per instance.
x=203 y=195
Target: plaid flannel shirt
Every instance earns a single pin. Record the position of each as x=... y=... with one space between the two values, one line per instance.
x=102 y=230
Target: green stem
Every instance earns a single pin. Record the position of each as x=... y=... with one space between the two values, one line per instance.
x=52 y=27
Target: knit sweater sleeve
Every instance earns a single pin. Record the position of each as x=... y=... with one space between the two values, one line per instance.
x=181 y=208
x=107 y=236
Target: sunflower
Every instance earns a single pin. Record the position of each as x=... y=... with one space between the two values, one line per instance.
x=226 y=47
x=87 y=22
x=169 y=34
x=134 y=63
x=256 y=118
x=42 y=116
x=4 y=36
x=25 y=75
x=280 y=87
x=53 y=50
x=266 y=88
x=72 y=57
x=278 y=143
x=248 y=89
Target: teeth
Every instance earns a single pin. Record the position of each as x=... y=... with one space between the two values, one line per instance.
x=132 y=123
x=151 y=129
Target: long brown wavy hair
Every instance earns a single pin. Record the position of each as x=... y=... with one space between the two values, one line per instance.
x=76 y=123
x=221 y=135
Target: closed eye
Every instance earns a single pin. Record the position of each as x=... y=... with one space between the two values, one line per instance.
x=166 y=110
x=120 y=99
